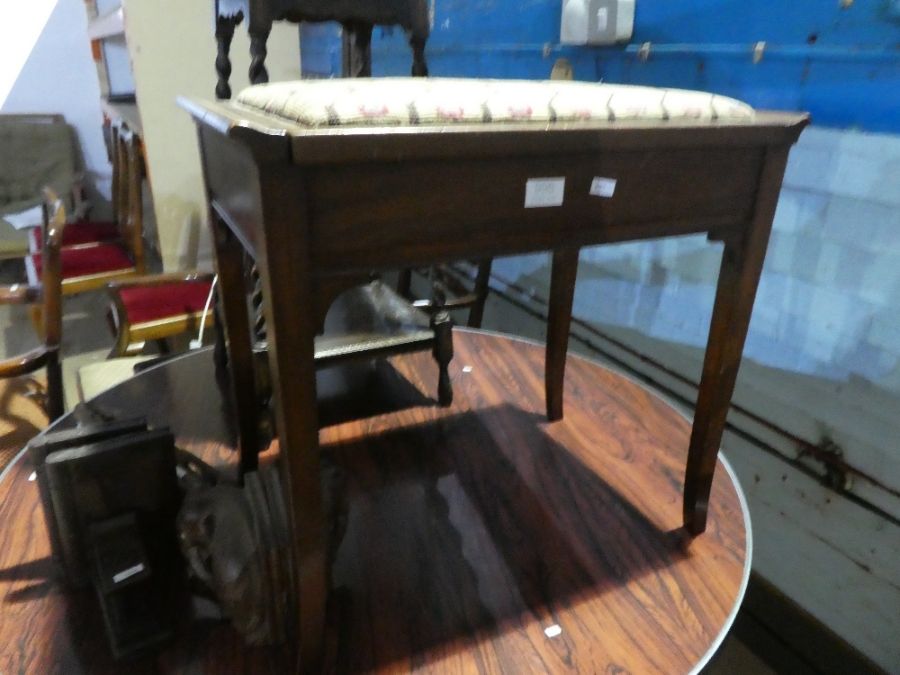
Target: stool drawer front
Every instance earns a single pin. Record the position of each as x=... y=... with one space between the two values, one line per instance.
x=381 y=213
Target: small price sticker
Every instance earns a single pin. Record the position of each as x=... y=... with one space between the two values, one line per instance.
x=544 y=192
x=603 y=187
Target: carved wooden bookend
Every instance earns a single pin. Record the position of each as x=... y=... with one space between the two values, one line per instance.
x=110 y=497
x=39 y=448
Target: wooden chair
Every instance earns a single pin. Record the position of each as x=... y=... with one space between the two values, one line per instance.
x=47 y=298
x=156 y=308
x=84 y=231
x=91 y=266
x=39 y=150
x=357 y=18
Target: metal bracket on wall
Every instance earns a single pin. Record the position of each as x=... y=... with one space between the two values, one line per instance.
x=644 y=52
x=758 y=49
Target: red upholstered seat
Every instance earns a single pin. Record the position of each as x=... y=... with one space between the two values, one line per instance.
x=83 y=232
x=155 y=302
x=82 y=262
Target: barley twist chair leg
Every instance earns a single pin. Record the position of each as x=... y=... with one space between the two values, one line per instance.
x=443 y=354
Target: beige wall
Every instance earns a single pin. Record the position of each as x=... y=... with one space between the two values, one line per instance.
x=173 y=52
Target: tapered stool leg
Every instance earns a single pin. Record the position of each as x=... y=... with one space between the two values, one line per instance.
x=742 y=261
x=563 y=272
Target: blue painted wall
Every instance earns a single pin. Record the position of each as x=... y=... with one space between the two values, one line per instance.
x=840 y=64
x=831 y=286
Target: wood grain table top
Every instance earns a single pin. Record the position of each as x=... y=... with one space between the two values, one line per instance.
x=478 y=538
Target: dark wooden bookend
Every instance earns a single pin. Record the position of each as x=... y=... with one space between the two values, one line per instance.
x=110 y=496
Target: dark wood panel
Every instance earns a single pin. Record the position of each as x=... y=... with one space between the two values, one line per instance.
x=398 y=211
x=460 y=535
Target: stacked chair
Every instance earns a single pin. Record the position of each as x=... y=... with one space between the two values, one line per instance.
x=95 y=253
x=145 y=307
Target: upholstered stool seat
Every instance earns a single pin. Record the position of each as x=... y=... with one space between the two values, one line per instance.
x=441 y=101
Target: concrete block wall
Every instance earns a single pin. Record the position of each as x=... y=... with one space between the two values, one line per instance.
x=829 y=297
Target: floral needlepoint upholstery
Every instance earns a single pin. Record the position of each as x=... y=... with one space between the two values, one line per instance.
x=440 y=101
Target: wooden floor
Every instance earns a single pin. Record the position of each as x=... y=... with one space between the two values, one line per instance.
x=478 y=538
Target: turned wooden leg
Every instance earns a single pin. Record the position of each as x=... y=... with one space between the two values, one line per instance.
x=443 y=354
x=357 y=49
x=404 y=283
x=224 y=34
x=258 y=38
x=234 y=322
x=55 y=404
x=419 y=65
x=482 y=282
x=742 y=261
x=563 y=272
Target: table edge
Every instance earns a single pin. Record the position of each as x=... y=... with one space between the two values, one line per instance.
x=742 y=499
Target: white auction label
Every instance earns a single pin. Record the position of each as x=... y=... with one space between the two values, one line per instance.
x=128 y=573
x=602 y=19
x=603 y=187
x=544 y=192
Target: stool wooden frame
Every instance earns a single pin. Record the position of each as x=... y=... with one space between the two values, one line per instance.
x=316 y=207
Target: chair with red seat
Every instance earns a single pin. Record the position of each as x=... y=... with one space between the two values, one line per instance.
x=91 y=266
x=156 y=308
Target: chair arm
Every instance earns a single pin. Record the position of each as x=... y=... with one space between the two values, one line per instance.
x=19 y=294
x=158 y=280
x=27 y=362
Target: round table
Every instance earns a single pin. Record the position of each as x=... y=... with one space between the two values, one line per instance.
x=475 y=538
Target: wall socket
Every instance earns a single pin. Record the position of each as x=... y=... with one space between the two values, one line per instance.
x=596 y=22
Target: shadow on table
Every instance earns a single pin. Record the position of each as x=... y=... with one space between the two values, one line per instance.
x=468 y=525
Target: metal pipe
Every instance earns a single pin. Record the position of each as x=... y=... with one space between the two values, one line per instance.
x=737 y=50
